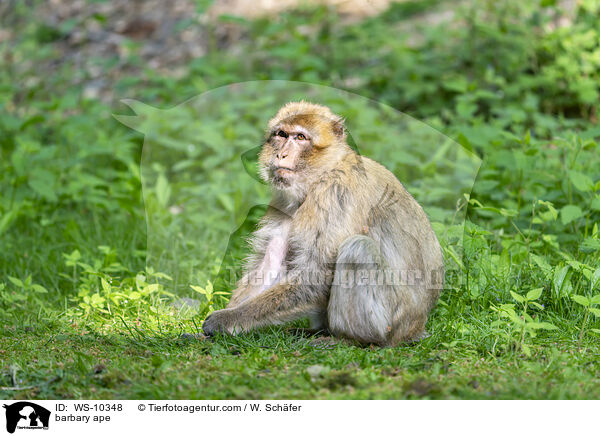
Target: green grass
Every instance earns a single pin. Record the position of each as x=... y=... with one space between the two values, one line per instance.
x=61 y=360
x=93 y=258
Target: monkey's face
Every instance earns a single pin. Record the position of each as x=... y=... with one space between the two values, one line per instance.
x=302 y=141
x=285 y=155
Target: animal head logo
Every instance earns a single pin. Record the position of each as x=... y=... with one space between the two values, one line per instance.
x=202 y=189
x=25 y=414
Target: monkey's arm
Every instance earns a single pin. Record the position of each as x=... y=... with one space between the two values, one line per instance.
x=281 y=303
x=264 y=274
x=243 y=291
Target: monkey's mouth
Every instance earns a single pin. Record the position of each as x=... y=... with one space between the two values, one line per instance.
x=282 y=176
x=283 y=171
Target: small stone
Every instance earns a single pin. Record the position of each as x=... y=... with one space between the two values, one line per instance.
x=316 y=370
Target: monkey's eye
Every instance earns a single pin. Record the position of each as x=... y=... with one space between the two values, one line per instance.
x=282 y=134
x=301 y=137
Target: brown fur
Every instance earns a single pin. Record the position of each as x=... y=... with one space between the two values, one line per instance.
x=334 y=212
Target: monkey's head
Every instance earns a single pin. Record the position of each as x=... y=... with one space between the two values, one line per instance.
x=301 y=141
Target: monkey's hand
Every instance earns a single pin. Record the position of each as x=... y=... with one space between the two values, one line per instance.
x=222 y=321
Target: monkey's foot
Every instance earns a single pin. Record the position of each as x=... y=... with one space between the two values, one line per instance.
x=222 y=321
x=188 y=337
x=419 y=337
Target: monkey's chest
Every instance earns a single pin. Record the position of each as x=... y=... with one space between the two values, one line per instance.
x=273 y=265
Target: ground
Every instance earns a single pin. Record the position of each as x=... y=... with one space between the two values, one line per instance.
x=91 y=306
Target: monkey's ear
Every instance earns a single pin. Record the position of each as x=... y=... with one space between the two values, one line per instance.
x=338 y=128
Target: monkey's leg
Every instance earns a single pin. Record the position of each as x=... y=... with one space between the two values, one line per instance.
x=281 y=303
x=365 y=304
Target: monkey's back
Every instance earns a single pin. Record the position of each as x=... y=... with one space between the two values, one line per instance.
x=378 y=226
x=398 y=224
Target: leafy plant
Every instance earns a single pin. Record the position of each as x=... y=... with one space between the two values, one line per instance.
x=208 y=294
x=515 y=82
x=24 y=295
x=523 y=321
x=587 y=303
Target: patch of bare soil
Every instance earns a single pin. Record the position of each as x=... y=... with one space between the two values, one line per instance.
x=104 y=41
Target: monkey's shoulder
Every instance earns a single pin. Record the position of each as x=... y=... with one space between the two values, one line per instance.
x=352 y=171
x=356 y=181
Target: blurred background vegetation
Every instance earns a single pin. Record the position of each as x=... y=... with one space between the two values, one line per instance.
x=516 y=83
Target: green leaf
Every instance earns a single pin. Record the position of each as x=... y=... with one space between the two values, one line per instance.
x=160 y=275
x=547 y=326
x=198 y=289
x=17 y=282
x=580 y=299
x=42 y=182
x=151 y=288
x=581 y=181
x=552 y=213
x=595 y=279
x=534 y=294
x=538 y=305
x=8 y=218
x=72 y=258
x=589 y=245
x=105 y=285
x=457 y=84
x=501 y=211
x=97 y=300
x=558 y=281
x=542 y=263
x=462 y=140
x=570 y=213
x=595 y=311
x=518 y=298
x=39 y=289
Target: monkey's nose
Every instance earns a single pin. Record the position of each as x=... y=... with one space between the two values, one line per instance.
x=282 y=155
